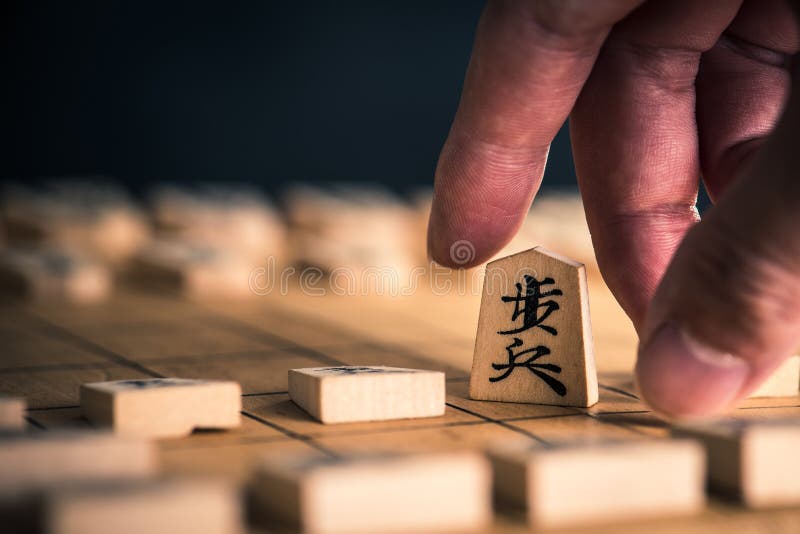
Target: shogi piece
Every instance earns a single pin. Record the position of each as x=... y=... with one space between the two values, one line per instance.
x=784 y=382
x=12 y=413
x=534 y=341
x=582 y=482
x=351 y=393
x=195 y=270
x=162 y=407
x=98 y=219
x=48 y=457
x=128 y=507
x=51 y=273
x=241 y=220
x=376 y=493
x=755 y=461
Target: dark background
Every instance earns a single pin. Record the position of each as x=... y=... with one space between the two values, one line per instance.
x=256 y=92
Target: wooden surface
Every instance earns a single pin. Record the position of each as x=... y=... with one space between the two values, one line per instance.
x=50 y=350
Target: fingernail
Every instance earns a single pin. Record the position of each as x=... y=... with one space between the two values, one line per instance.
x=680 y=376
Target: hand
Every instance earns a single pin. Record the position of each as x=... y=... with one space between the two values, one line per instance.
x=658 y=93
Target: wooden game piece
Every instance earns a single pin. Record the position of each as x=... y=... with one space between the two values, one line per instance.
x=784 y=381
x=29 y=460
x=52 y=273
x=12 y=413
x=534 y=340
x=389 y=493
x=242 y=221
x=755 y=461
x=119 y=506
x=97 y=219
x=343 y=231
x=583 y=482
x=197 y=271
x=352 y=393
x=162 y=407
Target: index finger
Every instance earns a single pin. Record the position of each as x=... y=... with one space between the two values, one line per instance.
x=528 y=65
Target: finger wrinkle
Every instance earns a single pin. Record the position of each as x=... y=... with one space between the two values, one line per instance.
x=665 y=219
x=672 y=70
x=761 y=54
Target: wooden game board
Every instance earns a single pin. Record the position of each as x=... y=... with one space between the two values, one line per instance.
x=49 y=350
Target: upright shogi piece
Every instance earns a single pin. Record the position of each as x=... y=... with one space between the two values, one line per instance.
x=534 y=340
x=162 y=407
x=376 y=493
x=753 y=460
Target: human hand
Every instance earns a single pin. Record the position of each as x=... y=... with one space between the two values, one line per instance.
x=658 y=93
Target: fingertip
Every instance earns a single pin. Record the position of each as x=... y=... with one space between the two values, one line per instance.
x=476 y=211
x=680 y=377
x=459 y=249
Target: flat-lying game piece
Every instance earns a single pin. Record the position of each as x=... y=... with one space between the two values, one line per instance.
x=28 y=460
x=784 y=382
x=534 y=340
x=352 y=393
x=12 y=413
x=390 y=493
x=126 y=507
x=342 y=230
x=98 y=219
x=195 y=270
x=582 y=482
x=241 y=221
x=754 y=461
x=162 y=407
x=52 y=274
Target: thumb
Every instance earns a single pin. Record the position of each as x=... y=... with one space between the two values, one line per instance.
x=727 y=312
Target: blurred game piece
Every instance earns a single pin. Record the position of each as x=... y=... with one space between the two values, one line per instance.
x=584 y=482
x=52 y=274
x=96 y=219
x=376 y=493
x=162 y=407
x=752 y=460
x=534 y=340
x=351 y=393
x=12 y=413
x=240 y=221
x=193 y=270
x=784 y=381
x=30 y=460
x=127 y=507
x=353 y=233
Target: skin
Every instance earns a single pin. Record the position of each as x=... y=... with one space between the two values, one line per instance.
x=659 y=94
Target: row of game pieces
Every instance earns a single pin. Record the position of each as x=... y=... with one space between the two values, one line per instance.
x=70 y=240
x=98 y=481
